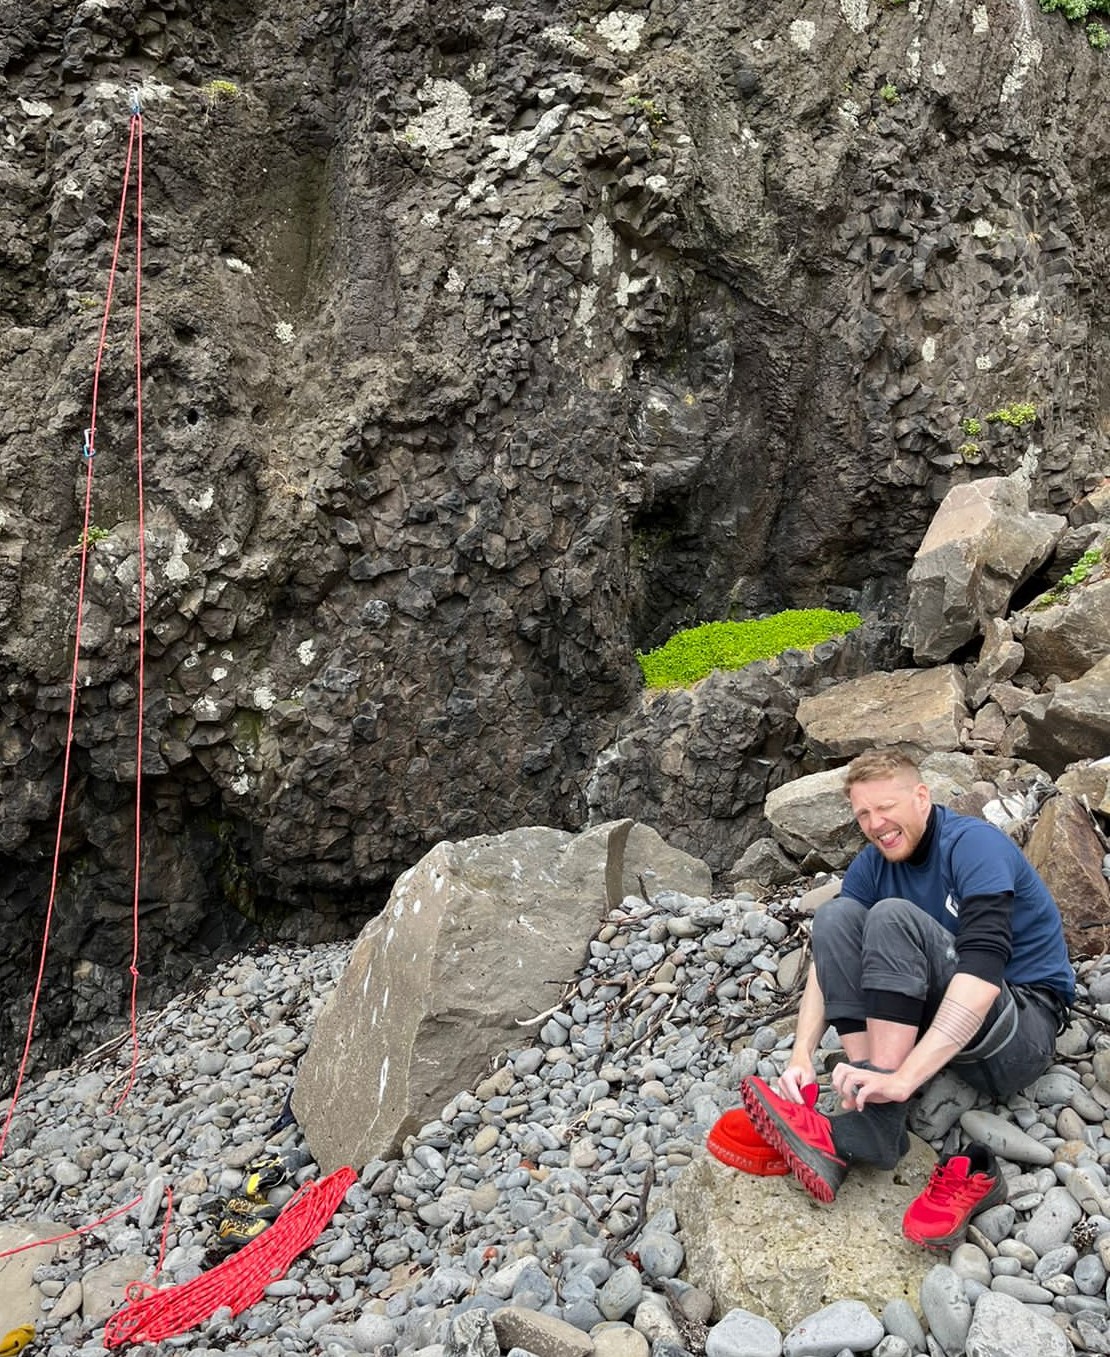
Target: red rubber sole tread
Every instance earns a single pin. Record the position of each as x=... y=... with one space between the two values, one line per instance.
x=809 y=1178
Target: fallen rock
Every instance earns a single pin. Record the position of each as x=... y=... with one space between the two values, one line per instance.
x=477 y=937
x=1068 y=637
x=764 y=1245
x=1067 y=852
x=921 y=709
x=1066 y=725
x=982 y=543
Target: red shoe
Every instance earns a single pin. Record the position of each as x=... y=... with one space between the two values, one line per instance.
x=801 y=1134
x=959 y=1187
x=734 y=1141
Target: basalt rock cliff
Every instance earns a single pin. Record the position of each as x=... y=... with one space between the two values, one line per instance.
x=483 y=346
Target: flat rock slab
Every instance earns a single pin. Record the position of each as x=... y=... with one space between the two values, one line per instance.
x=764 y=1245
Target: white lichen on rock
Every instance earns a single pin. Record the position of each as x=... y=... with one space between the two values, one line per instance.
x=855 y=14
x=802 y=33
x=621 y=31
x=447 y=120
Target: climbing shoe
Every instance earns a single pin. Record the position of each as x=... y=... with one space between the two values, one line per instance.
x=274 y=1169
x=801 y=1134
x=234 y=1230
x=734 y=1141
x=959 y=1187
x=250 y=1206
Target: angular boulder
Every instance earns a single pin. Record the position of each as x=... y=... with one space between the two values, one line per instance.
x=762 y=1244
x=477 y=938
x=1067 y=638
x=1090 y=782
x=1067 y=852
x=1067 y=725
x=982 y=543
x=1000 y=657
x=812 y=815
x=921 y=709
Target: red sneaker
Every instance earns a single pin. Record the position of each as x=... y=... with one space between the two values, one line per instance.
x=801 y=1134
x=734 y=1141
x=959 y=1187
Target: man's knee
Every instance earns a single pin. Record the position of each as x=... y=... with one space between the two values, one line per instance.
x=837 y=922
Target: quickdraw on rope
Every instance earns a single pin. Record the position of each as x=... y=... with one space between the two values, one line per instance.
x=237 y=1282
x=134 y=155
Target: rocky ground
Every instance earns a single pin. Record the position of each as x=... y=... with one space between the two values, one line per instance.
x=532 y=1212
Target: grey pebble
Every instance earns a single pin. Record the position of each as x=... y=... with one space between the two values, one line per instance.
x=742 y=1334
x=946 y=1308
x=846 y=1324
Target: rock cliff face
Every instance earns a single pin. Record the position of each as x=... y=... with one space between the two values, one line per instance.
x=483 y=346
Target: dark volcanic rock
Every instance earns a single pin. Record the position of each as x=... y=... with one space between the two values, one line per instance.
x=483 y=347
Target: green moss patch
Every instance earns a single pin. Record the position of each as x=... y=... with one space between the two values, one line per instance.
x=690 y=655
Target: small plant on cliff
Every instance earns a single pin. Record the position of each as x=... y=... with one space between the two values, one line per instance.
x=972 y=427
x=653 y=112
x=1076 y=575
x=219 y=92
x=1078 y=11
x=889 y=93
x=1021 y=412
x=691 y=655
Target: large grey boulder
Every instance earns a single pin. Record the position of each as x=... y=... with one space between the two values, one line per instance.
x=477 y=939
x=982 y=543
x=1068 y=724
x=1066 y=850
x=919 y=708
x=762 y=1244
x=812 y=815
x=1068 y=637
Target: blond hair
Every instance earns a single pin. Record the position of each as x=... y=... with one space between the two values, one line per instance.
x=874 y=764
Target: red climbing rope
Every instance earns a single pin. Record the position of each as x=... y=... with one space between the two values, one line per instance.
x=135 y=140
x=240 y=1280
x=137 y=126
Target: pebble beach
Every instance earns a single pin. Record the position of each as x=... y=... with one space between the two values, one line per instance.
x=531 y=1214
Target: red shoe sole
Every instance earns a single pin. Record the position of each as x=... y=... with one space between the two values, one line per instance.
x=771 y=1132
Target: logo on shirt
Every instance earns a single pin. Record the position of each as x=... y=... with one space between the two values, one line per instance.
x=952 y=906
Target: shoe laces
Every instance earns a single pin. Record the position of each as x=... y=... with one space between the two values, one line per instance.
x=949 y=1186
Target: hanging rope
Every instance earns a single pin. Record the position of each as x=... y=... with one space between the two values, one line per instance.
x=137 y=129
x=89 y=454
x=237 y=1282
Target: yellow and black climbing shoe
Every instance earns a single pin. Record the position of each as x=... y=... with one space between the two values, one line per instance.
x=234 y=1230
x=250 y=1206
x=17 y=1340
x=274 y=1169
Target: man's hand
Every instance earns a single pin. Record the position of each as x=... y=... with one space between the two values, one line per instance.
x=858 y=1087
x=798 y=1073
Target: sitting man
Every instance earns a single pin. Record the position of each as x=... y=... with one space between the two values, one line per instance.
x=944 y=947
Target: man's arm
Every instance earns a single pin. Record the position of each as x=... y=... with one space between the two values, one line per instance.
x=966 y=1002
x=809 y=1031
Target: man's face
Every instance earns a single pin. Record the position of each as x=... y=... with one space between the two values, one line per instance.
x=892 y=812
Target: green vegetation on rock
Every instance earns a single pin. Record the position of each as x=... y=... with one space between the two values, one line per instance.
x=1021 y=412
x=1078 y=11
x=690 y=655
x=1076 y=575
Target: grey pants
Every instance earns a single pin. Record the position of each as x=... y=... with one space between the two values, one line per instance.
x=895 y=946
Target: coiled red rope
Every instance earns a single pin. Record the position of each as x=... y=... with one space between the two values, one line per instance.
x=237 y=1282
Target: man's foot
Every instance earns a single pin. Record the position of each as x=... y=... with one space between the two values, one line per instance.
x=801 y=1134
x=959 y=1187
